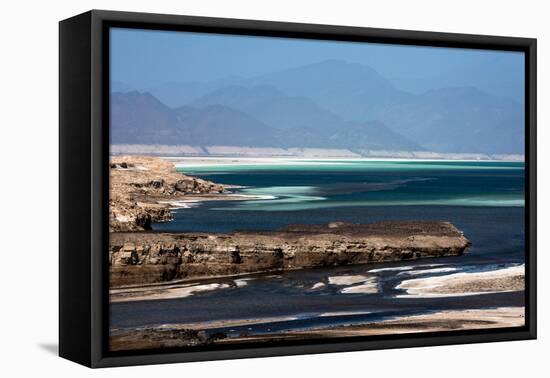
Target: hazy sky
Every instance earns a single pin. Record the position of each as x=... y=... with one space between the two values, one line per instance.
x=144 y=59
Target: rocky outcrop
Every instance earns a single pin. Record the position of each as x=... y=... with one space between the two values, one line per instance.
x=140 y=186
x=144 y=257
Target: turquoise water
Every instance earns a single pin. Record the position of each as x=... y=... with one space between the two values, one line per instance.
x=313 y=184
x=351 y=165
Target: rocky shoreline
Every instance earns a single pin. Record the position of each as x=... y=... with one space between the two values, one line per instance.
x=138 y=258
x=142 y=189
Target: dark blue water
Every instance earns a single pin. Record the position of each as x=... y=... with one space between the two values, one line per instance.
x=484 y=200
x=350 y=192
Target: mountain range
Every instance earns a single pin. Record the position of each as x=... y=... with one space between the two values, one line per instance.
x=330 y=104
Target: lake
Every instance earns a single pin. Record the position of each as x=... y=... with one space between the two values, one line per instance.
x=485 y=200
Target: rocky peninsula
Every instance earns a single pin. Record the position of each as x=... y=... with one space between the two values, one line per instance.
x=143 y=258
x=143 y=189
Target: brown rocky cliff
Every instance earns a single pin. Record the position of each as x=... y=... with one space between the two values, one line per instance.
x=141 y=258
x=138 y=187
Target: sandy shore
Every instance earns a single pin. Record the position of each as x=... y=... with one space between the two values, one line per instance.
x=195 y=334
x=501 y=317
x=435 y=322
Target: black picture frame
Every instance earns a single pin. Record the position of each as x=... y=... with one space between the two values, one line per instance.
x=83 y=181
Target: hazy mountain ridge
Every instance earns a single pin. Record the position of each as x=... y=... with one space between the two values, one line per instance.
x=460 y=119
x=140 y=118
x=490 y=78
x=350 y=90
x=273 y=107
x=323 y=105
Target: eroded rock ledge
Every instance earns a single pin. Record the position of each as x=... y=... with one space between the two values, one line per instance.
x=138 y=258
x=140 y=186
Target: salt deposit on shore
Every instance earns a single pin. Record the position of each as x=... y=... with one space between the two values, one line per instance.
x=174 y=291
x=466 y=283
x=368 y=287
x=346 y=280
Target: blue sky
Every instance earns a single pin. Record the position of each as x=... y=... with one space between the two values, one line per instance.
x=145 y=59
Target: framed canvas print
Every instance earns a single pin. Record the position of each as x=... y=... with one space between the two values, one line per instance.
x=234 y=188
